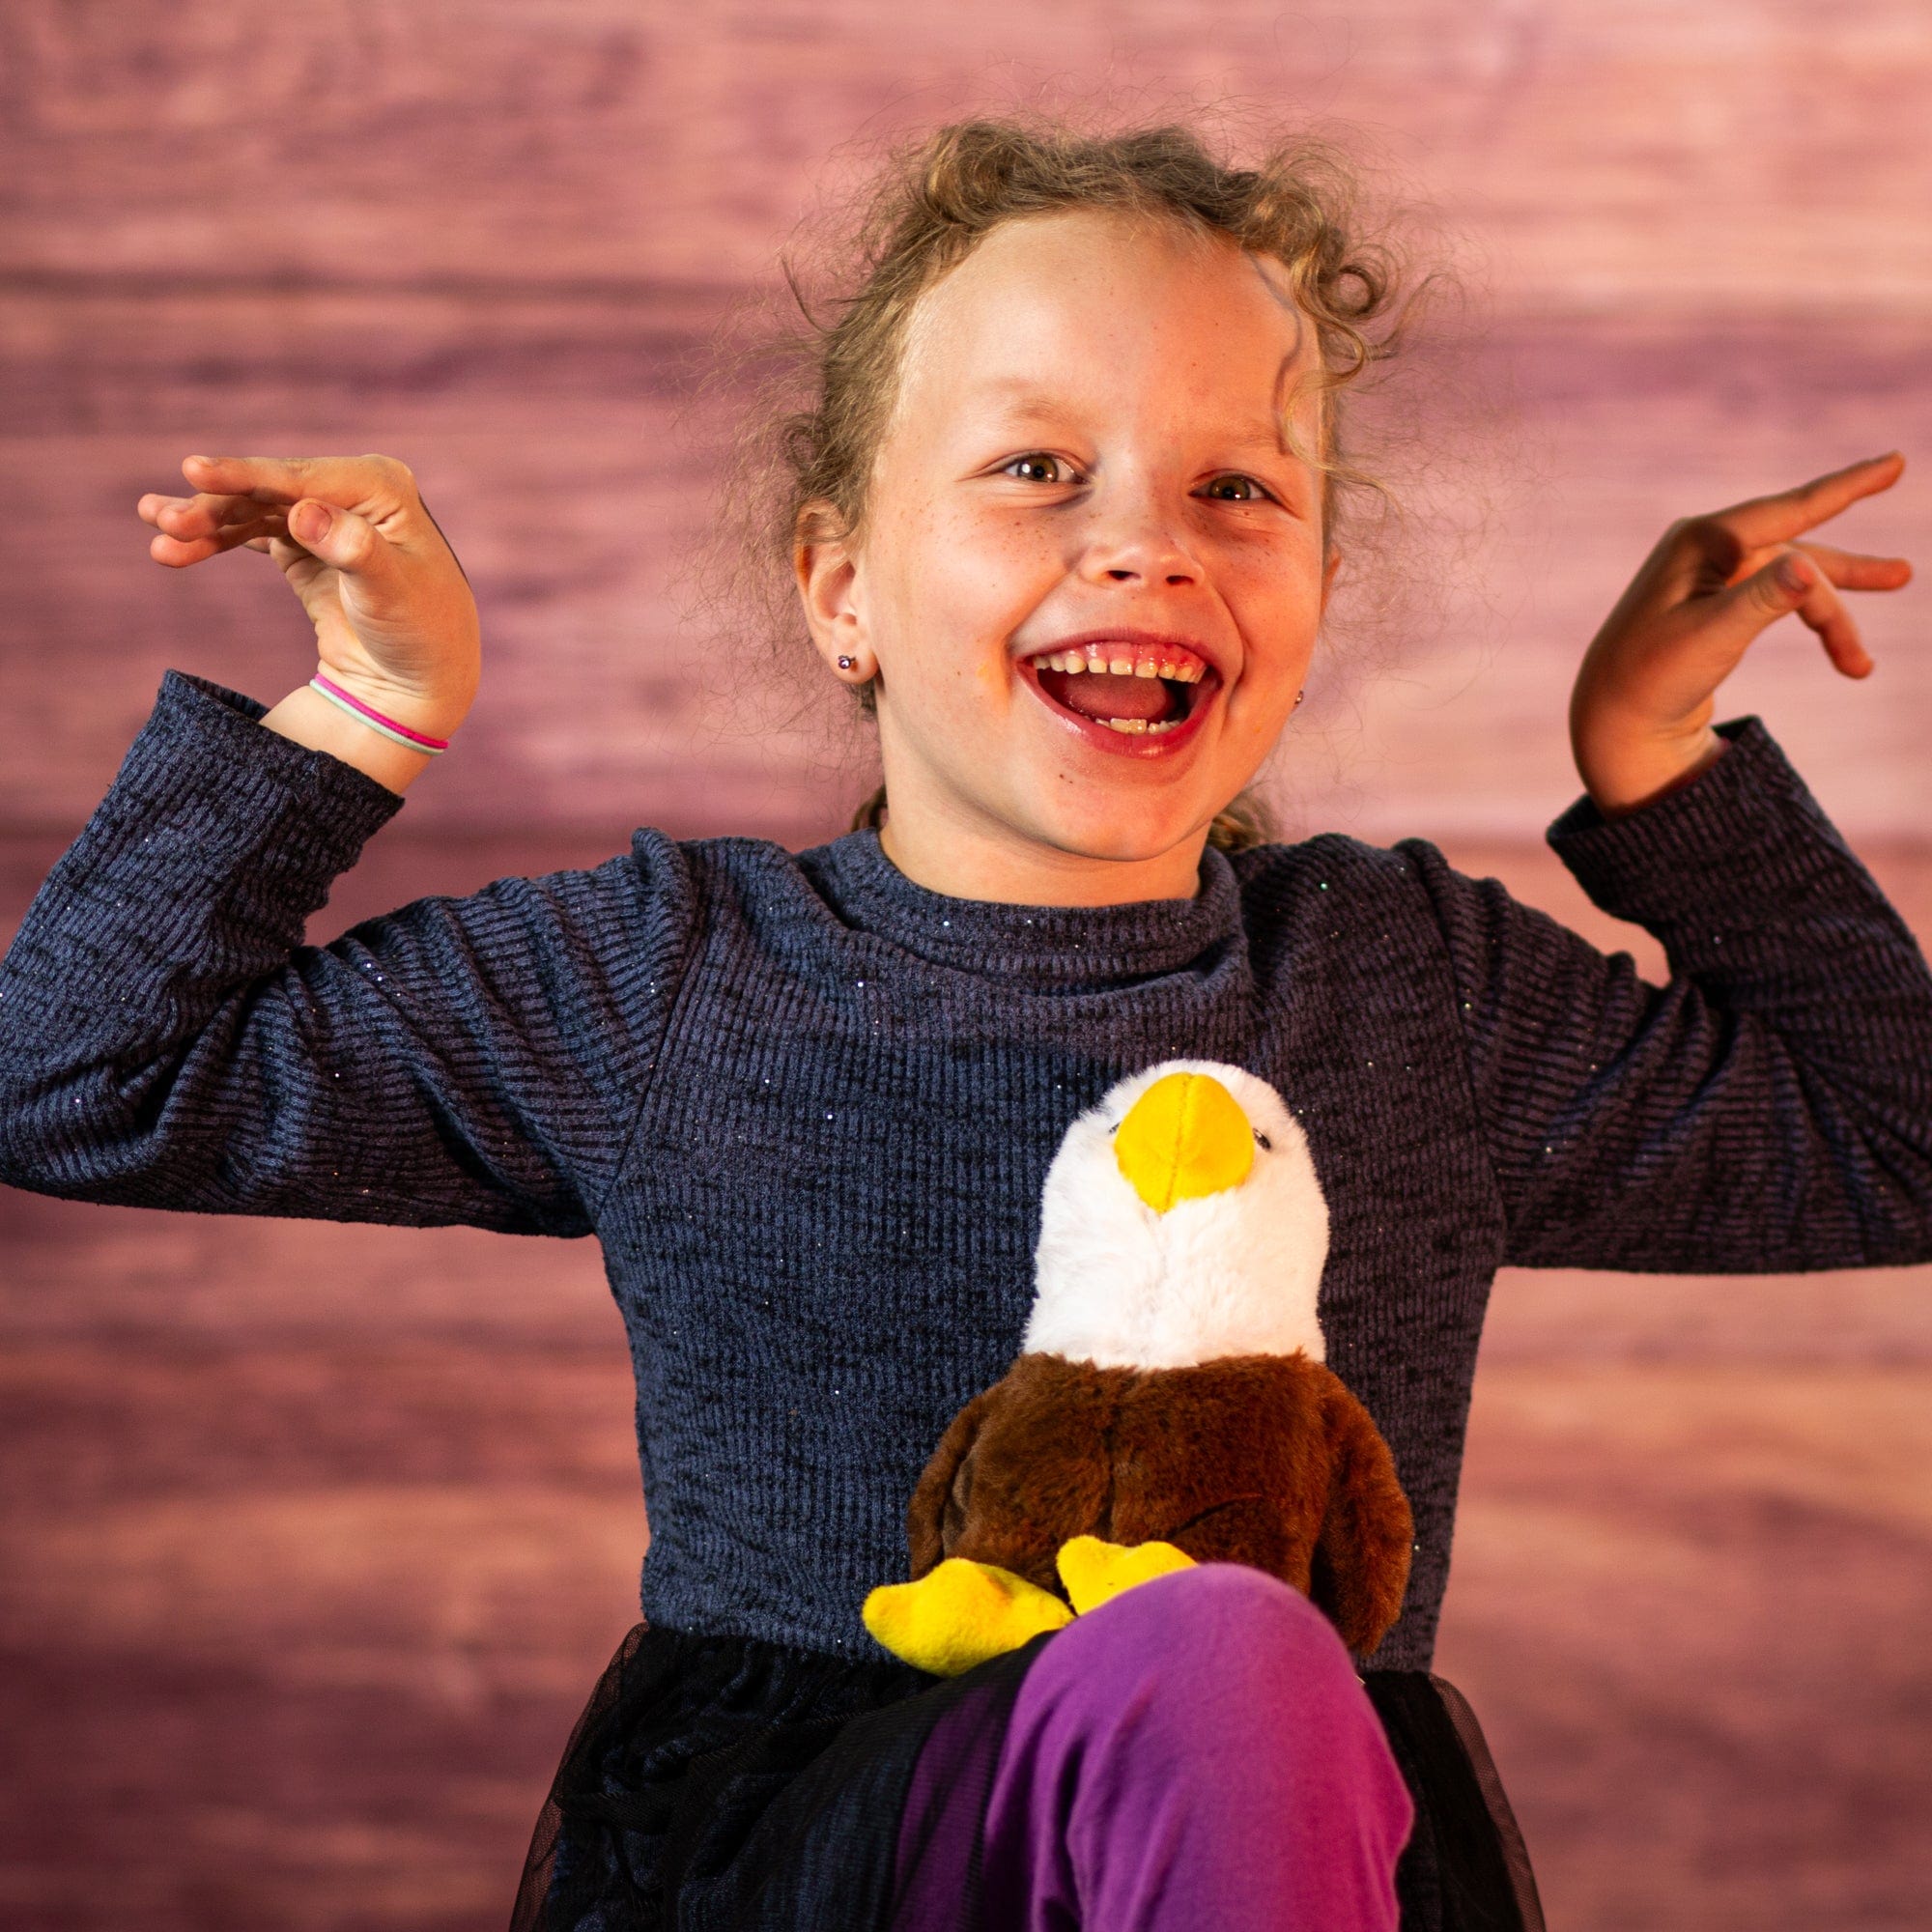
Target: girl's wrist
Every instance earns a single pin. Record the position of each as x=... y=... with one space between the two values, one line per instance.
x=1635 y=774
x=309 y=716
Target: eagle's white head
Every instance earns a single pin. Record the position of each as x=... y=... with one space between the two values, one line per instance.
x=1183 y=1220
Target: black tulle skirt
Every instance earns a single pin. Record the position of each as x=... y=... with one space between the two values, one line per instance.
x=726 y=1785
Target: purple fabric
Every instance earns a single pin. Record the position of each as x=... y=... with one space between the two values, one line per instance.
x=1197 y=1751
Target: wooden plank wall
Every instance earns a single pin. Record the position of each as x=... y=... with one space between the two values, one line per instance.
x=492 y=242
x=316 y=1536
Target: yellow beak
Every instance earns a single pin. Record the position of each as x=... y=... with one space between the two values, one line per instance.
x=1184 y=1137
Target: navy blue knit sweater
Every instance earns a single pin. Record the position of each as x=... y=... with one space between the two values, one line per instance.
x=807 y=1105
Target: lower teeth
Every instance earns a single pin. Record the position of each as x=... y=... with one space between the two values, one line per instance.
x=1138 y=724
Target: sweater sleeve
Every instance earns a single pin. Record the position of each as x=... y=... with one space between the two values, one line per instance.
x=1770 y=1109
x=167 y=1041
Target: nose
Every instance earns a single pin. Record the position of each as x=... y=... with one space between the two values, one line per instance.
x=1133 y=539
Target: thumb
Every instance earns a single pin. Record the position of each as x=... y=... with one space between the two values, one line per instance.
x=335 y=535
x=1777 y=588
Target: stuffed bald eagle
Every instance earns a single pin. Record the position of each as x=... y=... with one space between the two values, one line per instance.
x=1172 y=1403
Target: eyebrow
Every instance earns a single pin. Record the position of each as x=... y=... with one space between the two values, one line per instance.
x=1018 y=397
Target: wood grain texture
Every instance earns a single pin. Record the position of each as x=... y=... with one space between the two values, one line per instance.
x=498 y=242
x=314 y=1537
x=1644 y=151
x=1688 y=1606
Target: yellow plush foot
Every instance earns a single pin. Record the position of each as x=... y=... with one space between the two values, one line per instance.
x=959 y=1615
x=1094 y=1570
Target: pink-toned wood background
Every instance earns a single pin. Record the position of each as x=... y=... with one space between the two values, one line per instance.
x=315 y=1536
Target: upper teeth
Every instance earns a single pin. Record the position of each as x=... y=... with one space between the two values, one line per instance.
x=1124 y=661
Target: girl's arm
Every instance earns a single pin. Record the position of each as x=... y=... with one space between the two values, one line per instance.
x=1770 y=1109
x=167 y=1041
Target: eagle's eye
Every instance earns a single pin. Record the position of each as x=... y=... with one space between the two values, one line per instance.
x=1115 y=1128
x=1263 y=1140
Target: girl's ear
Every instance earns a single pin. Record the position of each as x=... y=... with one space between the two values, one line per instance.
x=830 y=588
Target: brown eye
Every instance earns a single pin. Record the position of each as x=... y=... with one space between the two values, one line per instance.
x=1033 y=456
x=1262 y=498
x=1263 y=1141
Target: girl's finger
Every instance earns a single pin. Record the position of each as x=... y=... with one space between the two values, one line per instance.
x=189 y=532
x=188 y=517
x=165 y=512
x=1855 y=570
x=339 y=537
x=1768 y=593
x=1761 y=520
x=361 y=483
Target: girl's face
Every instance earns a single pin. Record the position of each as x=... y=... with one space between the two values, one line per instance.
x=1085 y=457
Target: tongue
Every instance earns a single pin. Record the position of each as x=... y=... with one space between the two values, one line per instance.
x=1109 y=694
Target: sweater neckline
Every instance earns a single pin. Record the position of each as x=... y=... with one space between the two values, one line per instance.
x=1043 y=948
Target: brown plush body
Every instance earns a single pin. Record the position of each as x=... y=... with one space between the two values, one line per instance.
x=1264 y=1460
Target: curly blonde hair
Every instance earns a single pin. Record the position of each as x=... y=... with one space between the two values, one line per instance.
x=803 y=462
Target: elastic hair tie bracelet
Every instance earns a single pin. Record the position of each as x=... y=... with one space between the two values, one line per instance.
x=415 y=741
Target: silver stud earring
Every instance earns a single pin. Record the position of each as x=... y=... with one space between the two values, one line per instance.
x=1300 y=696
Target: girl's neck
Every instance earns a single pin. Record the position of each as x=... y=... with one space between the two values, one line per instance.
x=1020 y=872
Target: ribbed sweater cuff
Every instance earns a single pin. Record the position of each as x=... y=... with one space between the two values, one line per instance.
x=1744 y=831
x=211 y=806
x=203 y=759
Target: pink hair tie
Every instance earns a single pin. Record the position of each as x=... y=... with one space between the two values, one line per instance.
x=374 y=718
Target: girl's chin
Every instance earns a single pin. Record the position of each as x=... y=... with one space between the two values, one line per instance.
x=1115 y=808
x=1115 y=826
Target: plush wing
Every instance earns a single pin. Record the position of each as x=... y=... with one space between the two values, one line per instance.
x=1023 y=1468
x=937 y=1511
x=1360 y=1570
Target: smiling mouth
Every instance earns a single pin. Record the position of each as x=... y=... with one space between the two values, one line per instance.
x=1140 y=706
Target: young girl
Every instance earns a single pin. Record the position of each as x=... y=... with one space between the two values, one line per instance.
x=1064 y=515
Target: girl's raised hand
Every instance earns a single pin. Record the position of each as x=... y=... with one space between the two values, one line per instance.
x=395 y=623
x=1640 y=712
